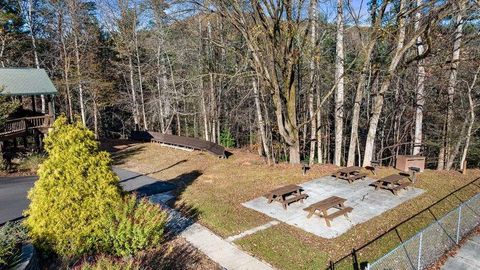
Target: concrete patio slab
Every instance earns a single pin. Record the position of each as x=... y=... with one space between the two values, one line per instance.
x=366 y=202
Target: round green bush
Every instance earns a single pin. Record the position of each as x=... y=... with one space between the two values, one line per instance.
x=137 y=225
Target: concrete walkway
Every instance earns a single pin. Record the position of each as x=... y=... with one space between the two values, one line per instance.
x=467 y=257
x=216 y=248
x=221 y=251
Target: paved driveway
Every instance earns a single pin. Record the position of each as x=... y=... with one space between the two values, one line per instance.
x=13 y=191
x=13 y=196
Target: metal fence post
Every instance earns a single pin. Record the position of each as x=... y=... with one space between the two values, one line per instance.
x=458 y=223
x=419 y=262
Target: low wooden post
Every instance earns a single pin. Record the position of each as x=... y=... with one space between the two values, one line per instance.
x=50 y=105
x=34 y=108
x=355 y=260
x=25 y=142
x=37 y=140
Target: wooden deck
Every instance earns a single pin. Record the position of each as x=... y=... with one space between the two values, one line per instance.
x=23 y=126
x=180 y=142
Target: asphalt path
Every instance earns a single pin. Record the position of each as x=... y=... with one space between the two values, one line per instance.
x=14 y=190
x=13 y=196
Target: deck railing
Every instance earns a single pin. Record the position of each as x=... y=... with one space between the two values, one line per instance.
x=26 y=123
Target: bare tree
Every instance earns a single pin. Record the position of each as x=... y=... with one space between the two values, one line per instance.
x=339 y=93
x=260 y=122
x=274 y=55
x=366 y=56
x=420 y=87
x=311 y=92
x=472 y=107
x=445 y=152
x=402 y=45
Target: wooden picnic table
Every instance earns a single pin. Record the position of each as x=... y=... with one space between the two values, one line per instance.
x=350 y=174
x=286 y=195
x=323 y=206
x=394 y=183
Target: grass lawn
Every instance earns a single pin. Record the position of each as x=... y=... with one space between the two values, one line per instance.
x=215 y=189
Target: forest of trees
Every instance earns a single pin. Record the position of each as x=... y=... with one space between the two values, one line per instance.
x=338 y=81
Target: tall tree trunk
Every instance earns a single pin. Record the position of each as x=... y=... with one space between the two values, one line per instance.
x=379 y=98
x=203 y=102
x=95 y=118
x=212 y=94
x=66 y=67
x=213 y=108
x=204 y=111
x=319 y=130
x=177 y=97
x=164 y=90
x=2 y=51
x=358 y=102
x=456 y=149
x=261 y=123
x=472 y=120
x=160 y=83
x=140 y=81
x=311 y=92
x=66 y=74
x=79 y=78
x=339 y=79
x=34 y=45
x=419 y=89
x=376 y=18
x=134 y=94
x=452 y=81
x=441 y=152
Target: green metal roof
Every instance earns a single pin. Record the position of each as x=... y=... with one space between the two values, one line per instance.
x=26 y=82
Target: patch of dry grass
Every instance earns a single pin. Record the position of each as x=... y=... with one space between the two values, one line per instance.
x=217 y=194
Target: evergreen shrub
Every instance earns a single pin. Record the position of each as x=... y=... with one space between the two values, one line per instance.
x=137 y=225
x=72 y=201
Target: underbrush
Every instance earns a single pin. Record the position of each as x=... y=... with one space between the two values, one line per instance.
x=104 y=262
x=12 y=236
x=31 y=162
x=22 y=162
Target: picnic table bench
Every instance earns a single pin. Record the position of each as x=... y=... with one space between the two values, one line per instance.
x=323 y=206
x=286 y=195
x=350 y=174
x=394 y=183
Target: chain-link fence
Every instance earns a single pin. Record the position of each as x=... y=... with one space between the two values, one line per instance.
x=427 y=246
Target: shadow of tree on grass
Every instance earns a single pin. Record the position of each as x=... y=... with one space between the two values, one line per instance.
x=120 y=157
